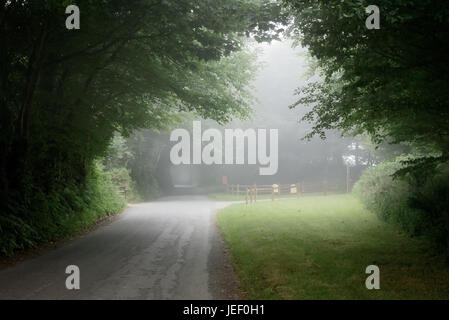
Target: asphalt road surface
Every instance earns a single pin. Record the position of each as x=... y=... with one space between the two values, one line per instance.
x=167 y=249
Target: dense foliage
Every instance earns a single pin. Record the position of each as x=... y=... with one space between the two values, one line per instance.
x=132 y=64
x=58 y=213
x=390 y=83
x=134 y=163
x=418 y=204
x=65 y=94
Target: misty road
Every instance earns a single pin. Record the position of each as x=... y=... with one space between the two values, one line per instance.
x=166 y=249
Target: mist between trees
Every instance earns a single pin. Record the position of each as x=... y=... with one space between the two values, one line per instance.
x=86 y=114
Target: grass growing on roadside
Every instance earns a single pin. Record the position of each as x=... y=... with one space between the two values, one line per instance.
x=57 y=215
x=233 y=197
x=319 y=247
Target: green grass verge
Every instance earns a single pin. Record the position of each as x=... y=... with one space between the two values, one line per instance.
x=319 y=247
x=48 y=217
x=231 y=197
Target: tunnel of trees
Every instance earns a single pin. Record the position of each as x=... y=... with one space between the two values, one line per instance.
x=82 y=110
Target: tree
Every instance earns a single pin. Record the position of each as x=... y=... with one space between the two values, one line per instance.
x=132 y=64
x=390 y=83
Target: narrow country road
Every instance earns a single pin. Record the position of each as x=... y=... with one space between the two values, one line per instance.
x=167 y=249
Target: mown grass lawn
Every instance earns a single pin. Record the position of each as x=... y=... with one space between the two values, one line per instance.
x=234 y=197
x=319 y=247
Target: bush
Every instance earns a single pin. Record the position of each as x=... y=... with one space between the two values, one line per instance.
x=46 y=217
x=122 y=180
x=418 y=205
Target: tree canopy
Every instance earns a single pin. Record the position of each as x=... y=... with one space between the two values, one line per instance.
x=390 y=83
x=132 y=64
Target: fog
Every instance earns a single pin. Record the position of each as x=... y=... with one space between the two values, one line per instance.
x=313 y=163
